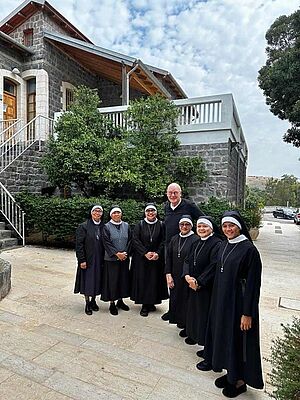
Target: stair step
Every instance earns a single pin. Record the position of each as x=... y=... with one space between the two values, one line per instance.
x=2 y=225
x=5 y=233
x=4 y=243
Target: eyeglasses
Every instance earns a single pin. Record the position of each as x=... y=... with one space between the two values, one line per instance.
x=184 y=224
x=98 y=211
x=174 y=193
x=150 y=210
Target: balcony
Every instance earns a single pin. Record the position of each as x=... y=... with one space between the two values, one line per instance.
x=201 y=120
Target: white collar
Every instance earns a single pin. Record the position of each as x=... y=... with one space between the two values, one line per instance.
x=207 y=237
x=115 y=223
x=151 y=222
x=238 y=239
x=187 y=235
x=173 y=207
x=95 y=222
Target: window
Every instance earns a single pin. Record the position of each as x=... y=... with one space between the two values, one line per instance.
x=69 y=98
x=28 y=37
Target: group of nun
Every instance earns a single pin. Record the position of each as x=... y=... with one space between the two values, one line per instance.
x=212 y=279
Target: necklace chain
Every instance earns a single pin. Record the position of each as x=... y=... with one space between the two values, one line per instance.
x=151 y=231
x=223 y=261
x=195 y=252
x=180 y=248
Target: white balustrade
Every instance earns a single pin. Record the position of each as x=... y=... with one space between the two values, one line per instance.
x=12 y=212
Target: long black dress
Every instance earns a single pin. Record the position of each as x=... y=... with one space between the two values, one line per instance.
x=200 y=264
x=116 y=282
x=89 y=249
x=235 y=293
x=178 y=249
x=148 y=280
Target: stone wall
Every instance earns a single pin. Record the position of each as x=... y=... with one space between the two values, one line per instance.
x=221 y=166
x=5 y=278
x=10 y=58
x=26 y=173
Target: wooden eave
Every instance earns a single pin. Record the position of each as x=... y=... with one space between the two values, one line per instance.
x=110 y=66
x=31 y=7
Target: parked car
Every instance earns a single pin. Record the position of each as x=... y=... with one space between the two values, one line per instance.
x=297 y=218
x=286 y=213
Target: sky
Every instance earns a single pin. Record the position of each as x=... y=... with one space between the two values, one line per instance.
x=211 y=47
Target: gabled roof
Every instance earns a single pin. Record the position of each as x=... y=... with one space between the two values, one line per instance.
x=108 y=63
x=28 y=8
x=14 y=44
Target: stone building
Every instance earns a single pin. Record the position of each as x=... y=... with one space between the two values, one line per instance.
x=43 y=57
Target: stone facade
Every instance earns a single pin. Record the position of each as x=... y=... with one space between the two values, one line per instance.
x=26 y=173
x=221 y=163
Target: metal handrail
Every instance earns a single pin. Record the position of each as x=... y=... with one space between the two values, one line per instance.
x=10 y=130
x=38 y=129
x=12 y=212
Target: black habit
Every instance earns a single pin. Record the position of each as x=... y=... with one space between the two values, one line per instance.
x=236 y=292
x=89 y=249
x=172 y=217
x=201 y=265
x=116 y=283
x=177 y=251
x=148 y=280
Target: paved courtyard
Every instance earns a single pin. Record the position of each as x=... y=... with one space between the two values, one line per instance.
x=51 y=350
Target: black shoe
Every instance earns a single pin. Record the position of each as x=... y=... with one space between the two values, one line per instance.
x=221 y=382
x=204 y=366
x=113 y=309
x=144 y=312
x=122 y=305
x=165 y=316
x=94 y=305
x=190 y=341
x=151 y=307
x=88 y=309
x=182 y=333
x=232 y=391
x=180 y=326
x=200 y=353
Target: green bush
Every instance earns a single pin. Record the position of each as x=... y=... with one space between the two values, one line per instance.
x=285 y=360
x=57 y=219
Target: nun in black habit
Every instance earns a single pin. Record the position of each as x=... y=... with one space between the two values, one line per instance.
x=90 y=256
x=147 y=266
x=199 y=271
x=117 y=243
x=177 y=251
x=232 y=341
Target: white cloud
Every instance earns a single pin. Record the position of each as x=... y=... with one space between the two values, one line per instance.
x=211 y=47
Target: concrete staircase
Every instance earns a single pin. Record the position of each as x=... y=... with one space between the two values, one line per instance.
x=6 y=239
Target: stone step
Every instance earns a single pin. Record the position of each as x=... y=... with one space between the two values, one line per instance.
x=2 y=225
x=5 y=233
x=8 y=242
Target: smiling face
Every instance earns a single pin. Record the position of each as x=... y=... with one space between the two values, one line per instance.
x=185 y=228
x=203 y=230
x=151 y=214
x=97 y=214
x=116 y=216
x=174 y=194
x=230 y=230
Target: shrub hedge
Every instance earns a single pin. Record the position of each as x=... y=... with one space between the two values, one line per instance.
x=56 y=219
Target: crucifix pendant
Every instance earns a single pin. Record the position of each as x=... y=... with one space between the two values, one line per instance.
x=178 y=255
x=222 y=268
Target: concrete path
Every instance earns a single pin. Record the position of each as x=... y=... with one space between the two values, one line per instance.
x=51 y=350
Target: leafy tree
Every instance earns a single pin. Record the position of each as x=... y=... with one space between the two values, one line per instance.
x=284 y=191
x=88 y=150
x=280 y=77
x=134 y=163
x=153 y=135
